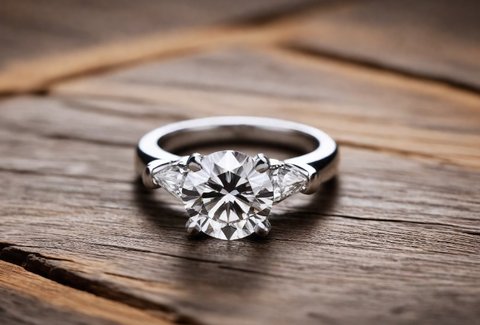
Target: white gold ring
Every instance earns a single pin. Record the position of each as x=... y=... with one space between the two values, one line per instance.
x=228 y=194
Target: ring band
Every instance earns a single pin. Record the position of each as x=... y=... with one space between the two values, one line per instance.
x=228 y=194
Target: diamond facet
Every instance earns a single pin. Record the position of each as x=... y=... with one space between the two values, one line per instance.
x=287 y=180
x=170 y=176
x=193 y=227
x=227 y=197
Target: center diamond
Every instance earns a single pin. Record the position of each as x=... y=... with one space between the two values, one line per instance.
x=227 y=197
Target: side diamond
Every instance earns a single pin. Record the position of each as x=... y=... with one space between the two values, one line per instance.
x=170 y=176
x=287 y=180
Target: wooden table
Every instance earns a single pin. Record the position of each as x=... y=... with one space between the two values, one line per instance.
x=394 y=239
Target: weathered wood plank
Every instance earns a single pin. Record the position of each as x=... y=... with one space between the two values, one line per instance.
x=431 y=39
x=316 y=264
x=26 y=298
x=395 y=239
x=357 y=105
x=43 y=42
x=390 y=242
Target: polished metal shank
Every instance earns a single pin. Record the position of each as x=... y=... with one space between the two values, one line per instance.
x=319 y=163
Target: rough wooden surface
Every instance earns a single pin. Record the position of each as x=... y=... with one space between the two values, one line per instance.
x=433 y=39
x=29 y=298
x=42 y=43
x=395 y=239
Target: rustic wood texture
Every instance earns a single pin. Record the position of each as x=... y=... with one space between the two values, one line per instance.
x=27 y=298
x=45 y=42
x=394 y=239
x=382 y=111
x=433 y=39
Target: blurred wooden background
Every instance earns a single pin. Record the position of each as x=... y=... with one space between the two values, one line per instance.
x=395 y=239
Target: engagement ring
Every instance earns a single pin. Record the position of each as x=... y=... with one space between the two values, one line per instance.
x=228 y=194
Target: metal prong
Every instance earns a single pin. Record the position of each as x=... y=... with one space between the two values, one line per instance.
x=147 y=174
x=262 y=163
x=194 y=162
x=263 y=228
x=192 y=227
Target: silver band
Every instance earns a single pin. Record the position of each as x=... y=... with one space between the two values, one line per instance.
x=320 y=162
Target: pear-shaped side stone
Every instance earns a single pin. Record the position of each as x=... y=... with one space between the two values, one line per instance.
x=287 y=180
x=171 y=177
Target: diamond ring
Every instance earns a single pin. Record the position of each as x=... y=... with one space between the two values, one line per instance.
x=228 y=194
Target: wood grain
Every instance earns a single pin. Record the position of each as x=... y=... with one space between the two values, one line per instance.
x=430 y=39
x=394 y=239
x=382 y=111
x=27 y=298
x=42 y=43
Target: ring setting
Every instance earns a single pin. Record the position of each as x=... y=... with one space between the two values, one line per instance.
x=228 y=194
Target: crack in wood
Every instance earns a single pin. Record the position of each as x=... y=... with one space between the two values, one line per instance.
x=42 y=266
x=272 y=275
x=80 y=106
x=312 y=214
x=64 y=137
x=87 y=140
x=71 y=176
x=378 y=66
x=398 y=152
x=5 y=245
x=287 y=12
x=158 y=253
x=473 y=233
x=454 y=227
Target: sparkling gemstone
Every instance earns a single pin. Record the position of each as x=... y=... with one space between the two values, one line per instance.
x=170 y=176
x=227 y=197
x=287 y=180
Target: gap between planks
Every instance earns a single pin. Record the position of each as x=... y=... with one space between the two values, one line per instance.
x=275 y=30
x=351 y=60
x=114 y=305
x=389 y=76
x=38 y=75
x=468 y=99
